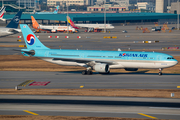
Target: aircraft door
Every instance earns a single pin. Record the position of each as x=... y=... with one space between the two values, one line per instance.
x=82 y=55
x=46 y=53
x=159 y=57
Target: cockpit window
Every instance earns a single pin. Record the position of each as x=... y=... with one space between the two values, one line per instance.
x=170 y=58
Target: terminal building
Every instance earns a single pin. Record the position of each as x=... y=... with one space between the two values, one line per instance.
x=70 y=2
x=146 y=6
x=109 y=7
x=161 y=6
x=174 y=8
x=116 y=17
x=113 y=18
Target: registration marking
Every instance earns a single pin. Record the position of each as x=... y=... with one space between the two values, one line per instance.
x=26 y=83
x=147 y=116
x=30 y=112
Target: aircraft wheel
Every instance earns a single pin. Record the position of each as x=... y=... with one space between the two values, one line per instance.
x=84 y=72
x=89 y=72
x=160 y=73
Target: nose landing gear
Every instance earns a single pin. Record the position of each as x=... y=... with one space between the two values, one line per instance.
x=160 y=71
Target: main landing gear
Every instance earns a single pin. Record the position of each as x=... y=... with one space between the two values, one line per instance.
x=87 y=72
x=160 y=71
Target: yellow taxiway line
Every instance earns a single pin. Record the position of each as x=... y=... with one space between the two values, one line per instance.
x=30 y=112
x=147 y=116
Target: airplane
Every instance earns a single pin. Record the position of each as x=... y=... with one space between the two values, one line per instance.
x=89 y=26
x=55 y=11
x=100 y=61
x=51 y=28
x=11 y=28
x=2 y=13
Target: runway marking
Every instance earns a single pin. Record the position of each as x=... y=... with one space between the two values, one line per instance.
x=39 y=83
x=30 y=112
x=147 y=116
x=25 y=83
x=178 y=86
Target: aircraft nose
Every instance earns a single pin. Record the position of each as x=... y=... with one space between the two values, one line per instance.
x=175 y=62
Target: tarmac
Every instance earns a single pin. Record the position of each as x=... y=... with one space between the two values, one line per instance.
x=128 y=107
x=123 y=107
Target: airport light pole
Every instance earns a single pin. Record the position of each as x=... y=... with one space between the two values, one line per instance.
x=178 y=16
x=67 y=21
x=35 y=5
x=24 y=3
x=19 y=5
x=104 y=18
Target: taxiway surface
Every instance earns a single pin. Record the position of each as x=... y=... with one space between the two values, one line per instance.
x=96 y=41
x=74 y=79
x=124 y=107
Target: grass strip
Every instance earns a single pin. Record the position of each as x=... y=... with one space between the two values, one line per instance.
x=30 y=117
x=158 y=93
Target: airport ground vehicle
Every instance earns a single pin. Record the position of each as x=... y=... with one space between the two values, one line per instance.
x=157 y=28
x=124 y=31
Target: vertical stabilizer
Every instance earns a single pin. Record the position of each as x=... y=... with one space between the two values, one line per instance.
x=32 y=42
x=71 y=22
x=2 y=12
x=56 y=10
x=15 y=21
x=34 y=23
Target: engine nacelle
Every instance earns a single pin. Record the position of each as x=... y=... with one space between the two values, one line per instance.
x=54 y=31
x=131 y=69
x=102 y=68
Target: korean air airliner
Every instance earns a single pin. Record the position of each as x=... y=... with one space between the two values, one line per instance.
x=100 y=61
x=55 y=11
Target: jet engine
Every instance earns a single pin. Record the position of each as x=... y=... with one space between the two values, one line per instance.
x=101 y=68
x=54 y=31
x=131 y=69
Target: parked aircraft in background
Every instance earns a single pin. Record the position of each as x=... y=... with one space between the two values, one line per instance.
x=55 y=11
x=51 y=28
x=90 y=27
x=100 y=61
x=2 y=13
x=11 y=28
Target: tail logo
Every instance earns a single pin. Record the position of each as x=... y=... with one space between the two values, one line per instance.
x=30 y=39
x=16 y=19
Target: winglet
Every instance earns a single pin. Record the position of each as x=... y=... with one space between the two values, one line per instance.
x=32 y=42
x=15 y=21
x=56 y=10
x=34 y=23
x=71 y=22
